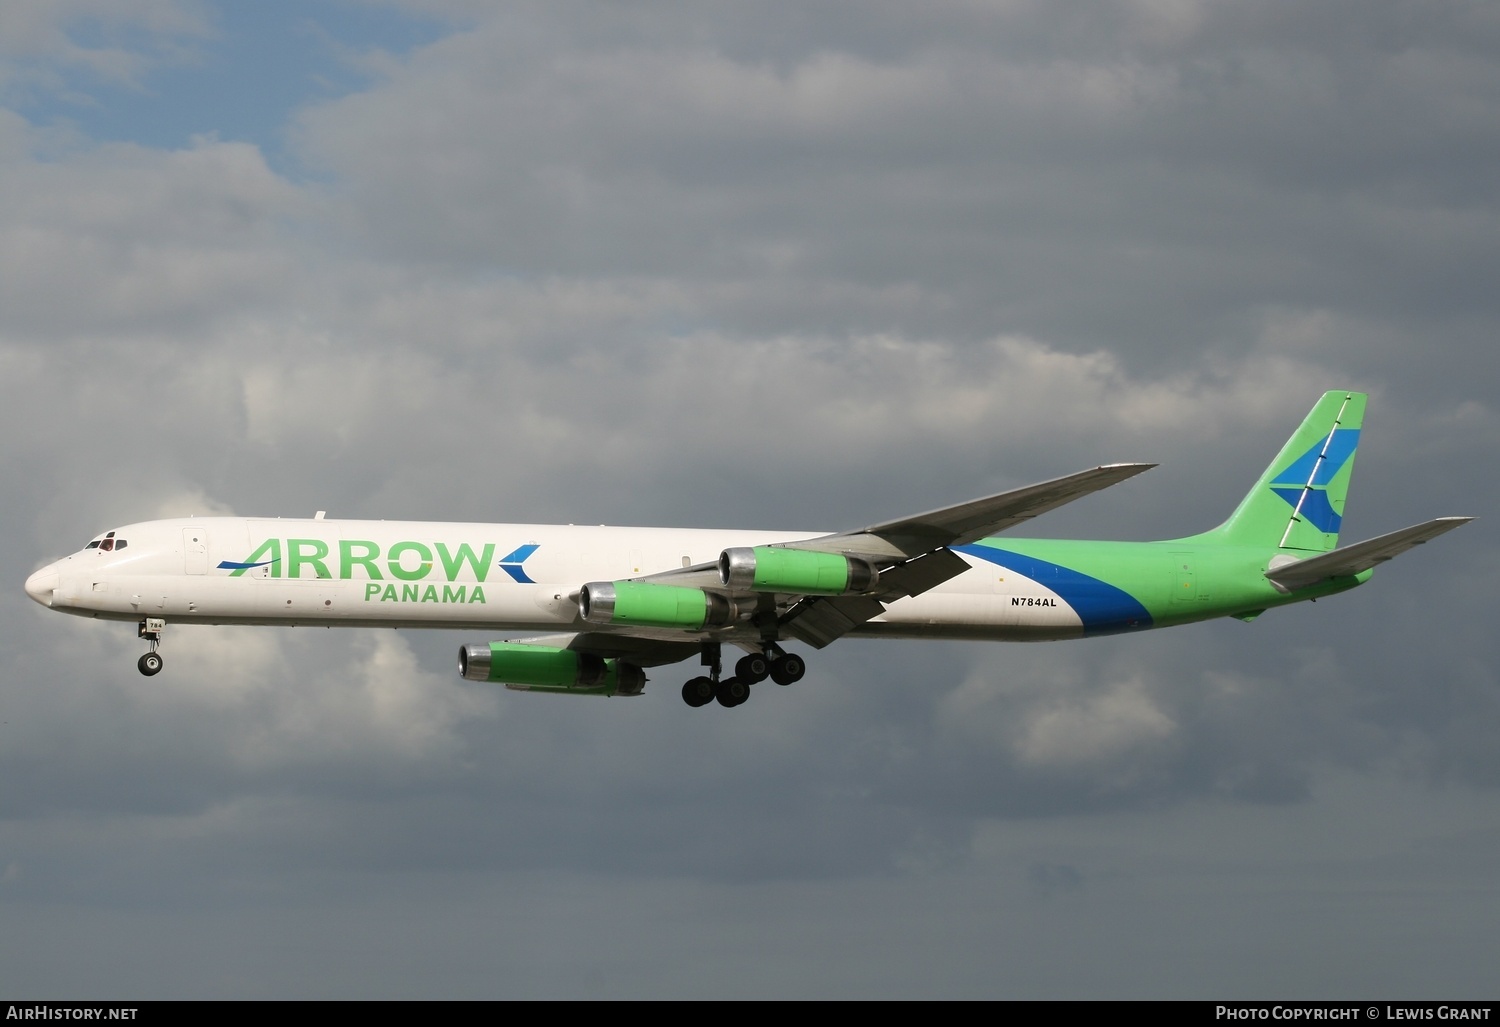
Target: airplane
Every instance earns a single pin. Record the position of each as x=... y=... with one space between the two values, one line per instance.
x=600 y=605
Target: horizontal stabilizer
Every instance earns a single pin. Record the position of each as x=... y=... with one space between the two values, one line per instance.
x=969 y=522
x=1361 y=556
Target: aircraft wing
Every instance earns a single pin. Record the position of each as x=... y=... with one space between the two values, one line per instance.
x=900 y=541
x=912 y=553
x=1361 y=556
x=699 y=575
x=818 y=620
x=968 y=522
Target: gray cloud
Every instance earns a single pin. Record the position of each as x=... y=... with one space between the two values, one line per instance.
x=780 y=267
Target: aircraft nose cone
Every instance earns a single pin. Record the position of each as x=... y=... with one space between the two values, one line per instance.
x=42 y=584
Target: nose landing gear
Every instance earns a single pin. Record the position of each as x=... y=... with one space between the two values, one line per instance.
x=150 y=629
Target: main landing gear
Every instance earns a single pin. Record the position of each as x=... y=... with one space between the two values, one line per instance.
x=775 y=663
x=150 y=629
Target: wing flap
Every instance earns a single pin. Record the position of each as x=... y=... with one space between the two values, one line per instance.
x=914 y=577
x=1361 y=556
x=819 y=622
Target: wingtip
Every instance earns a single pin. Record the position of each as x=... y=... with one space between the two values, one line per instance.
x=1447 y=524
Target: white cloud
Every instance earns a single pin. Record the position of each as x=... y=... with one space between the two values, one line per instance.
x=1064 y=721
x=126 y=239
x=34 y=35
x=1112 y=721
x=352 y=702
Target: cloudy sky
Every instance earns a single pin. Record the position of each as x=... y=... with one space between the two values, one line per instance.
x=776 y=265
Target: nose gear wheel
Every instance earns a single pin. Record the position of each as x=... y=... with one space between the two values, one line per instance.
x=150 y=629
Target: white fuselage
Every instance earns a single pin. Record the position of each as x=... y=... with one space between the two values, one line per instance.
x=498 y=577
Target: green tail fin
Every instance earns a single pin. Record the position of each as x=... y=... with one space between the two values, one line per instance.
x=1298 y=503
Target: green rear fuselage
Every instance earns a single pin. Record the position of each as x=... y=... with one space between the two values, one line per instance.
x=1063 y=588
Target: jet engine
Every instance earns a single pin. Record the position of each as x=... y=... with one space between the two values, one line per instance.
x=643 y=604
x=798 y=571
x=542 y=668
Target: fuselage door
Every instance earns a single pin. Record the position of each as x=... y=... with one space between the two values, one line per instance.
x=195 y=550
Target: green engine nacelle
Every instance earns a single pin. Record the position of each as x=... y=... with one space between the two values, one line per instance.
x=542 y=668
x=798 y=571
x=642 y=604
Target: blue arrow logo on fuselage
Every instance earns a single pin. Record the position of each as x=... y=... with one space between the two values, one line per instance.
x=511 y=564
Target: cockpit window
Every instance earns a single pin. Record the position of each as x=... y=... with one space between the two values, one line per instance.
x=92 y=545
x=107 y=544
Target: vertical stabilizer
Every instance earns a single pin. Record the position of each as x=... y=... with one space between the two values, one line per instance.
x=1298 y=503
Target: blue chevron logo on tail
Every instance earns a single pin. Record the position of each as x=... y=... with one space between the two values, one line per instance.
x=1311 y=473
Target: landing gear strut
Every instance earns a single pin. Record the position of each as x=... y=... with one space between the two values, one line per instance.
x=775 y=663
x=150 y=629
x=700 y=691
x=784 y=667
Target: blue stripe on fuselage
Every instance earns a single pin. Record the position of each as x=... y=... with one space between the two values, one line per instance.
x=1103 y=608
